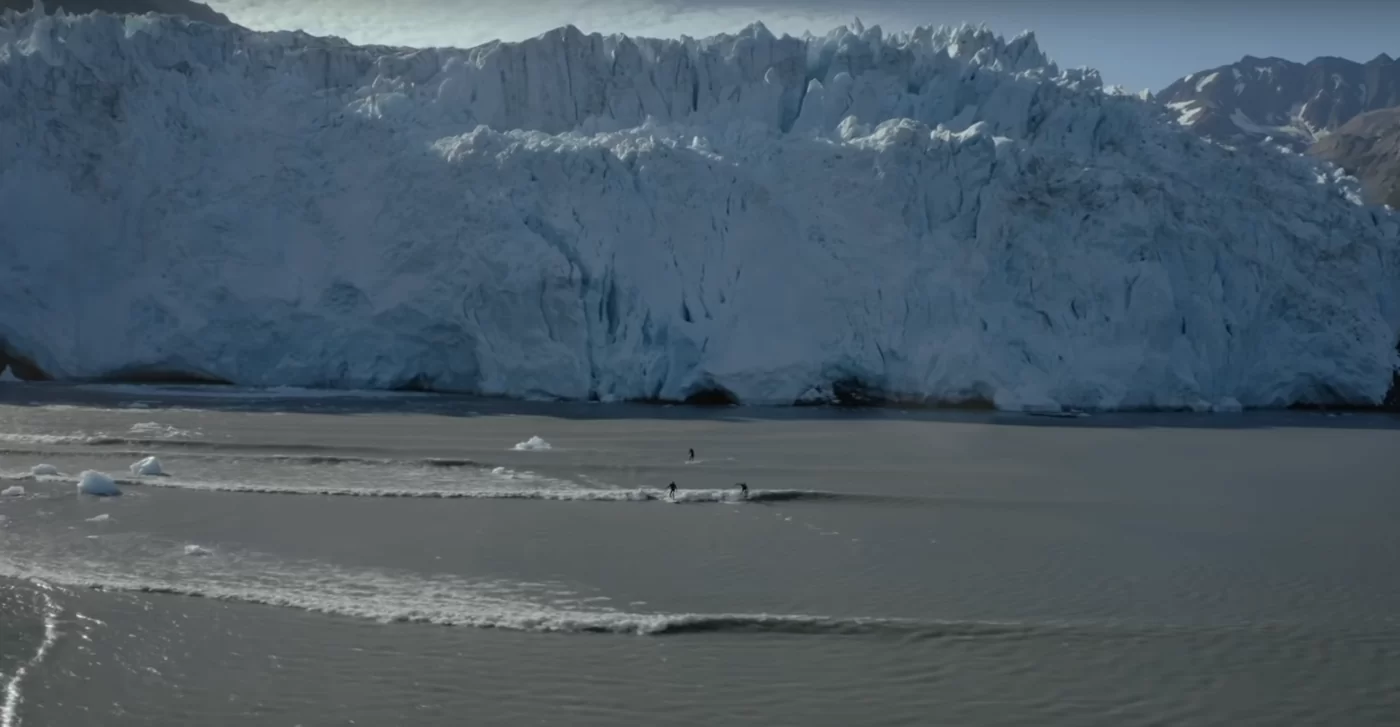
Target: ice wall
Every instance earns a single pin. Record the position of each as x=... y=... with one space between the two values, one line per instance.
x=940 y=215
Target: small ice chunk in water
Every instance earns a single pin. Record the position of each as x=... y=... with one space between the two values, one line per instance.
x=147 y=466
x=533 y=444
x=43 y=469
x=197 y=550
x=15 y=491
x=97 y=483
x=104 y=517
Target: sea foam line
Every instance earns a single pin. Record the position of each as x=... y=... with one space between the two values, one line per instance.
x=310 y=459
x=446 y=600
x=107 y=440
x=529 y=617
x=517 y=493
x=450 y=601
x=562 y=494
x=9 y=708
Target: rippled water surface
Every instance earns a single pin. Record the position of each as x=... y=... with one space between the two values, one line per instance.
x=397 y=559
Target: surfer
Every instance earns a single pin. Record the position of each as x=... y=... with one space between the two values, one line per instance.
x=671 y=491
x=744 y=488
x=692 y=455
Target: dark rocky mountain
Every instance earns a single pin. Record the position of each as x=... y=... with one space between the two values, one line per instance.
x=1345 y=112
x=188 y=8
x=1295 y=103
x=1368 y=148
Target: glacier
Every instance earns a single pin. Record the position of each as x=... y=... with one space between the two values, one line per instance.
x=937 y=216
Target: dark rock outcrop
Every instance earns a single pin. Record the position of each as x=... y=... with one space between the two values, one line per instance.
x=1294 y=103
x=1368 y=148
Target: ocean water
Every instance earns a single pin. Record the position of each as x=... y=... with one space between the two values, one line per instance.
x=396 y=560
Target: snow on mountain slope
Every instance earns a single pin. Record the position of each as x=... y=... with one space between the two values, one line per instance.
x=1294 y=103
x=942 y=215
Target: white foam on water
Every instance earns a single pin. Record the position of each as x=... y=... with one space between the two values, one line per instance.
x=121 y=407
x=146 y=564
x=100 y=484
x=556 y=493
x=341 y=476
x=154 y=429
x=31 y=477
x=384 y=596
x=533 y=444
x=22 y=438
x=40 y=470
x=512 y=486
x=237 y=455
x=171 y=436
x=197 y=391
x=9 y=708
x=329 y=475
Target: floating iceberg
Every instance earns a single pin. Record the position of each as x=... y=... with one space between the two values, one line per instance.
x=533 y=444
x=936 y=216
x=97 y=483
x=40 y=470
x=149 y=466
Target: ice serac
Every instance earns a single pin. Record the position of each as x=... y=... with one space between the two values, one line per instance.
x=941 y=215
x=187 y=8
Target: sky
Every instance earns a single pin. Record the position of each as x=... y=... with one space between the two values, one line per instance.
x=1138 y=44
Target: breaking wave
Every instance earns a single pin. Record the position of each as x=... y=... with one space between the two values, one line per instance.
x=107 y=440
x=471 y=493
x=482 y=608
x=833 y=626
x=253 y=454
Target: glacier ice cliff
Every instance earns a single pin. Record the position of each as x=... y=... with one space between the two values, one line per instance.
x=941 y=215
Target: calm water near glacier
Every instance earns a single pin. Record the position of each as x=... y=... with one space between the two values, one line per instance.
x=395 y=560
